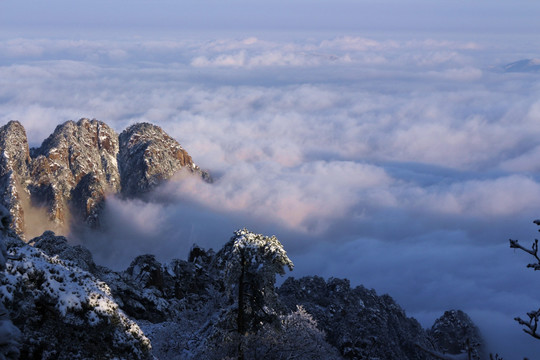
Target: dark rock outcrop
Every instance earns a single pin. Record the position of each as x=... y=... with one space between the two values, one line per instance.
x=10 y=335
x=455 y=333
x=149 y=290
x=358 y=322
x=76 y=167
x=53 y=245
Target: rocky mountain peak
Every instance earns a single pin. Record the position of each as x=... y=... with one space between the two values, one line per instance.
x=358 y=322
x=150 y=156
x=456 y=333
x=85 y=133
x=13 y=140
x=14 y=160
x=525 y=65
x=74 y=168
x=69 y=176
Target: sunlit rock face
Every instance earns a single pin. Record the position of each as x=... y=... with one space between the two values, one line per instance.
x=70 y=175
x=14 y=170
x=148 y=156
x=74 y=168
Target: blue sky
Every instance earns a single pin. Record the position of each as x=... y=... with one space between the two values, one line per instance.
x=379 y=140
x=363 y=15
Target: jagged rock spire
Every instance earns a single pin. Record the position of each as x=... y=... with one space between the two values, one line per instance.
x=70 y=174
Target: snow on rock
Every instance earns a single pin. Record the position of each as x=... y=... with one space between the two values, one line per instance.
x=148 y=156
x=9 y=334
x=358 y=322
x=63 y=311
x=149 y=290
x=68 y=307
x=14 y=160
x=54 y=245
x=455 y=333
x=71 y=173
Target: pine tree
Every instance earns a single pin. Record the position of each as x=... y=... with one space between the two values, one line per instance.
x=250 y=262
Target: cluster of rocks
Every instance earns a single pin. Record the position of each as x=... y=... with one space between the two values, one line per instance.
x=363 y=325
x=454 y=332
x=74 y=169
x=147 y=289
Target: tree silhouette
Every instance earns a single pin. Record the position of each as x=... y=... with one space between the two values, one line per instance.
x=530 y=324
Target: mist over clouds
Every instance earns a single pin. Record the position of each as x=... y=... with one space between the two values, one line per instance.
x=401 y=163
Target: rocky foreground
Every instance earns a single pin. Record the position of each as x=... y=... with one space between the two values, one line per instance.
x=67 y=307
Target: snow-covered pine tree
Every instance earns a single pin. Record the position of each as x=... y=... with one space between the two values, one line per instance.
x=250 y=263
x=299 y=338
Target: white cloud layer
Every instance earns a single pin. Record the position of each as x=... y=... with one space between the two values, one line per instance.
x=403 y=164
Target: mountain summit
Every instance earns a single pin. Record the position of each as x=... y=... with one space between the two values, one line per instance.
x=525 y=65
x=70 y=174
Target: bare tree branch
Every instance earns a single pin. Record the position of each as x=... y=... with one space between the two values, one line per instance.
x=531 y=326
x=533 y=251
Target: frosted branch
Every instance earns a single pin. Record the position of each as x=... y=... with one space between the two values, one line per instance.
x=532 y=324
x=514 y=244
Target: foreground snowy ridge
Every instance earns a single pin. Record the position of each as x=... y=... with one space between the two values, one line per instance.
x=70 y=304
x=212 y=306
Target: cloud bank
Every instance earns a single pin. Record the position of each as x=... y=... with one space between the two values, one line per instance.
x=402 y=164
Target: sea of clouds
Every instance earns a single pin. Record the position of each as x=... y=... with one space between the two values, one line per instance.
x=401 y=163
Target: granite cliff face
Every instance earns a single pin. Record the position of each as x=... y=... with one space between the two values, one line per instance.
x=69 y=176
x=14 y=170
x=74 y=168
x=148 y=156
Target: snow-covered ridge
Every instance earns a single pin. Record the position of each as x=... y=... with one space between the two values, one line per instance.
x=64 y=311
x=68 y=307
